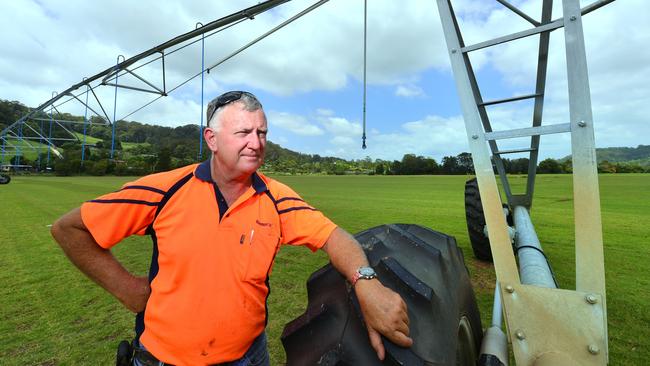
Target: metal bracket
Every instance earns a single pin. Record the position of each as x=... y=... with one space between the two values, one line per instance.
x=542 y=335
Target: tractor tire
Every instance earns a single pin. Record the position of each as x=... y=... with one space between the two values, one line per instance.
x=476 y=222
x=427 y=269
x=4 y=179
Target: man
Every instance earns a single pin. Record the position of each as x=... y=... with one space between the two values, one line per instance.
x=216 y=227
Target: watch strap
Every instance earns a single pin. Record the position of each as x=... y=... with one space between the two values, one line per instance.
x=357 y=275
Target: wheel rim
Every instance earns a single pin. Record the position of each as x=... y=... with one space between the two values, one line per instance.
x=465 y=349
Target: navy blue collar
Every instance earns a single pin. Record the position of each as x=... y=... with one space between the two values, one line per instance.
x=258 y=184
x=204 y=173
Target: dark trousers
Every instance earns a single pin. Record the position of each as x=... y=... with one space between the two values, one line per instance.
x=256 y=355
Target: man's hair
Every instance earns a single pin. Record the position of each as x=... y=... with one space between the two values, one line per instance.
x=248 y=100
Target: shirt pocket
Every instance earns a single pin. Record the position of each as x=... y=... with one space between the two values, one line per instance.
x=264 y=243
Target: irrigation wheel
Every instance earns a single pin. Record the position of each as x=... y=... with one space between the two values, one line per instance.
x=427 y=269
x=4 y=179
x=476 y=222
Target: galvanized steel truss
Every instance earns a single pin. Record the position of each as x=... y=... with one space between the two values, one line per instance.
x=16 y=137
x=577 y=318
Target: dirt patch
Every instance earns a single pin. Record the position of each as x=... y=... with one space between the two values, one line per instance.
x=482 y=275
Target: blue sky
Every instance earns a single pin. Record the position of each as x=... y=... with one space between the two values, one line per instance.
x=309 y=74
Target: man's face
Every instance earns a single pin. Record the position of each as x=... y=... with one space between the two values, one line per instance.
x=240 y=141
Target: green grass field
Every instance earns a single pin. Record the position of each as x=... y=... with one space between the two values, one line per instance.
x=50 y=314
x=89 y=139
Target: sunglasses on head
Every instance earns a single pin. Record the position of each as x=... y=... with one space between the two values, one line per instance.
x=226 y=98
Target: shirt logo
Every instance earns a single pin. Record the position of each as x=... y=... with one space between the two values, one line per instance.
x=265 y=224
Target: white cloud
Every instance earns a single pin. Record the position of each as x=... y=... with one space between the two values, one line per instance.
x=324 y=112
x=340 y=126
x=431 y=136
x=342 y=141
x=301 y=57
x=619 y=78
x=293 y=123
x=49 y=45
x=409 y=91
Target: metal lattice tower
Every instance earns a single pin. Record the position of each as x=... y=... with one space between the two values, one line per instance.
x=531 y=305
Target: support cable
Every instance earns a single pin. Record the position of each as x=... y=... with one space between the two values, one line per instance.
x=275 y=29
x=314 y=6
x=198 y=158
x=40 y=141
x=20 y=142
x=152 y=60
x=244 y=14
x=365 y=41
x=520 y=13
x=83 y=144
x=121 y=68
x=49 y=136
x=115 y=110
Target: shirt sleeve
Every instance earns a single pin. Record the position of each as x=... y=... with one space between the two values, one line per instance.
x=301 y=223
x=117 y=215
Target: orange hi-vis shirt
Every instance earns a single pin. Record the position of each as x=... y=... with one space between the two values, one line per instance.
x=210 y=266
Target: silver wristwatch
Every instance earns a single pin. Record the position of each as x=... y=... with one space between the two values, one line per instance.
x=364 y=273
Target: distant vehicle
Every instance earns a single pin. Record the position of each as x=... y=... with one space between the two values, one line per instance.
x=16 y=168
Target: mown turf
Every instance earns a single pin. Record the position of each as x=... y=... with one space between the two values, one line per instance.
x=50 y=314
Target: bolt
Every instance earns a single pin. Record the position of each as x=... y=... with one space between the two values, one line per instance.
x=454 y=50
x=521 y=336
x=582 y=123
x=475 y=137
x=591 y=298
x=510 y=289
x=593 y=349
x=573 y=18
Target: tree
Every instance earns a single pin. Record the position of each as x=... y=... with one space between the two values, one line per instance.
x=97 y=167
x=549 y=166
x=396 y=167
x=67 y=166
x=411 y=164
x=465 y=163
x=19 y=160
x=516 y=166
x=606 y=167
x=449 y=165
x=431 y=166
x=164 y=160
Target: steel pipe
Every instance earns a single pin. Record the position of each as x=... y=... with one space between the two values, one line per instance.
x=533 y=266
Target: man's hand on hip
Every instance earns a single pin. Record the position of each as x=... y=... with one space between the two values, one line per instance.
x=134 y=295
x=98 y=263
x=385 y=313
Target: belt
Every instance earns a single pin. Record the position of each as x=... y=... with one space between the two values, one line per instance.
x=147 y=359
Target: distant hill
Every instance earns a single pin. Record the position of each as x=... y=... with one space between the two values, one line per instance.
x=148 y=146
x=634 y=155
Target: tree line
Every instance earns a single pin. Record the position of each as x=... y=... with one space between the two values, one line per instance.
x=142 y=149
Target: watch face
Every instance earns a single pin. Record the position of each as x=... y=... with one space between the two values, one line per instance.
x=366 y=271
